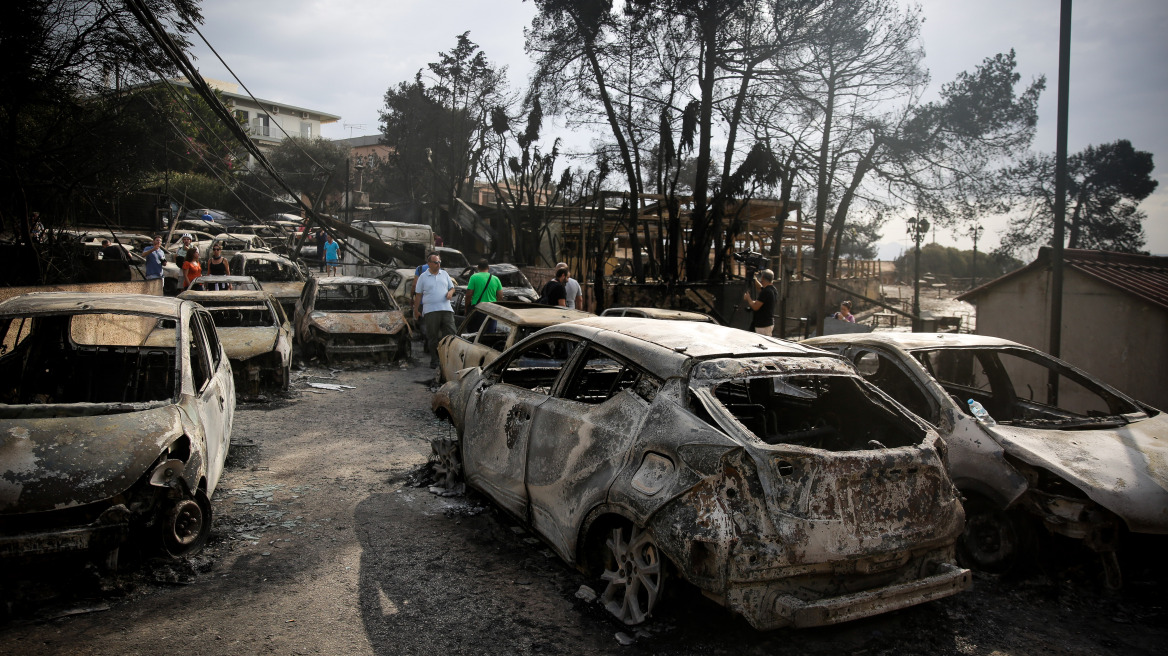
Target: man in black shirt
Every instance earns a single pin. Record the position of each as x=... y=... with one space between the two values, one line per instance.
x=555 y=291
x=763 y=319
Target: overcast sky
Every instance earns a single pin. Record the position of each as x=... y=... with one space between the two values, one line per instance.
x=341 y=56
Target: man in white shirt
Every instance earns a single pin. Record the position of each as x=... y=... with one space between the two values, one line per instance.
x=575 y=299
x=433 y=290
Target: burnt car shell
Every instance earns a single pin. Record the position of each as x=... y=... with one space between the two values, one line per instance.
x=111 y=433
x=1080 y=466
x=331 y=321
x=255 y=334
x=768 y=474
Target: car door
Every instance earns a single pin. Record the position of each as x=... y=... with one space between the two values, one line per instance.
x=214 y=392
x=499 y=415
x=303 y=308
x=580 y=440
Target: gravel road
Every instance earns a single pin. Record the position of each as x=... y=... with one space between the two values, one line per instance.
x=324 y=544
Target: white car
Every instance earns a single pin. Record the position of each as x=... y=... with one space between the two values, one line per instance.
x=115 y=421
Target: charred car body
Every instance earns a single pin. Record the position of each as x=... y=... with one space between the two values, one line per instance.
x=1080 y=457
x=492 y=328
x=115 y=421
x=767 y=474
x=347 y=315
x=276 y=273
x=256 y=335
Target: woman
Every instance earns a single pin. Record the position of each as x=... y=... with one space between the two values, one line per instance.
x=330 y=248
x=217 y=266
x=191 y=267
x=845 y=312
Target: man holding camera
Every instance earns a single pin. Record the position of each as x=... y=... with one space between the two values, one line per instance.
x=763 y=319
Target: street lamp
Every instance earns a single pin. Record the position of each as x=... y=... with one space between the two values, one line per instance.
x=975 y=232
x=917 y=228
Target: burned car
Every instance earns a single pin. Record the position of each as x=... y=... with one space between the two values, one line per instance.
x=767 y=474
x=256 y=335
x=1059 y=448
x=492 y=328
x=347 y=315
x=115 y=421
x=276 y=273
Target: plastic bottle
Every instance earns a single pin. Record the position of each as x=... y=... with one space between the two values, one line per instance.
x=979 y=411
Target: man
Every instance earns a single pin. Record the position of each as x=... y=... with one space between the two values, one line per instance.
x=155 y=257
x=109 y=251
x=207 y=216
x=483 y=287
x=432 y=292
x=321 y=240
x=572 y=292
x=555 y=291
x=763 y=319
x=181 y=251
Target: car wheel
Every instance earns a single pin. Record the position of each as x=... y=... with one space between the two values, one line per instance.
x=185 y=524
x=447 y=456
x=634 y=572
x=995 y=540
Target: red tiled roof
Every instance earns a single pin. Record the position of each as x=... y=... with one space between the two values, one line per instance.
x=1143 y=276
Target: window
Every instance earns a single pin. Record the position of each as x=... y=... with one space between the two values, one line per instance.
x=305 y=129
x=883 y=372
x=17 y=330
x=494 y=333
x=601 y=377
x=353 y=298
x=260 y=125
x=200 y=363
x=212 y=336
x=536 y=366
x=241 y=116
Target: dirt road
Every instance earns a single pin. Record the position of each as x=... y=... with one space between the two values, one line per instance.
x=323 y=545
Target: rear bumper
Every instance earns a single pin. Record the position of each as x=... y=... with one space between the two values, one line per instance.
x=773 y=607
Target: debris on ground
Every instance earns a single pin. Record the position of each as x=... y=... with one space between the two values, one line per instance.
x=587 y=594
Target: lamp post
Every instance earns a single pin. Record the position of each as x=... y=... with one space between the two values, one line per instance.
x=917 y=228
x=975 y=232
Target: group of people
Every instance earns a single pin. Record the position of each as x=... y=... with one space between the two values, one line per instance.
x=762 y=320
x=562 y=290
x=327 y=251
x=216 y=264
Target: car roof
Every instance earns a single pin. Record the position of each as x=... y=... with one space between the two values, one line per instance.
x=215 y=278
x=665 y=346
x=914 y=341
x=261 y=255
x=347 y=280
x=663 y=313
x=531 y=314
x=58 y=302
x=231 y=295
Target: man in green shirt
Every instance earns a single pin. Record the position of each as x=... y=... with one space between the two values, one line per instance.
x=483 y=287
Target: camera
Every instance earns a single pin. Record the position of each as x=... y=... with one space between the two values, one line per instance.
x=752 y=260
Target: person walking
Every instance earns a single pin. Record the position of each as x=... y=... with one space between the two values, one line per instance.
x=573 y=296
x=762 y=321
x=155 y=258
x=321 y=240
x=483 y=287
x=555 y=290
x=331 y=249
x=432 y=292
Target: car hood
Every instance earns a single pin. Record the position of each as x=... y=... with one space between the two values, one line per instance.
x=244 y=343
x=1123 y=469
x=57 y=462
x=387 y=323
x=283 y=289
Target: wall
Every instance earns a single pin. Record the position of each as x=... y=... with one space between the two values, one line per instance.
x=1108 y=333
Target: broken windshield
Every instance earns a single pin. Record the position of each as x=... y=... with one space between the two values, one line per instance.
x=831 y=412
x=245 y=314
x=1025 y=388
x=355 y=297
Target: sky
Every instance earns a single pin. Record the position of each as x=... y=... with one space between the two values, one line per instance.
x=340 y=57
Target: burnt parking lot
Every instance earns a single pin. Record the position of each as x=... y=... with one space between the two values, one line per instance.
x=326 y=540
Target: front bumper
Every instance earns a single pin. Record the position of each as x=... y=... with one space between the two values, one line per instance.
x=110 y=530
x=772 y=606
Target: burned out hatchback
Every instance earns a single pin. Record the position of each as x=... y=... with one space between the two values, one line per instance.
x=350 y=316
x=256 y=336
x=767 y=474
x=115 y=420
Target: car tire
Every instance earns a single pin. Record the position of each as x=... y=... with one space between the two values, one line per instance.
x=185 y=524
x=635 y=574
x=995 y=540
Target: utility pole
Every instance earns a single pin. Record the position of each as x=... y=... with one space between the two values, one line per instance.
x=917 y=228
x=1060 y=197
x=975 y=231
